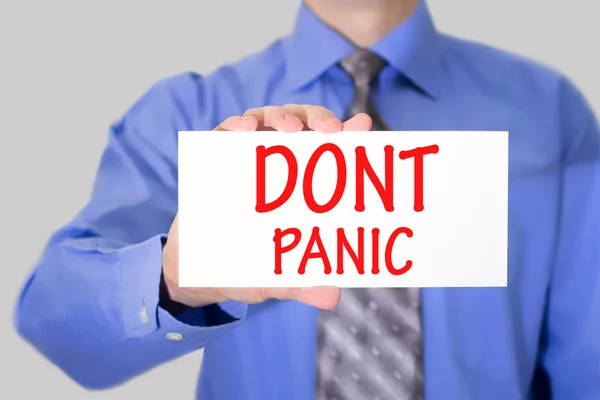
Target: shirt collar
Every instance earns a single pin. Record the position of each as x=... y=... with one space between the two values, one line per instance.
x=413 y=48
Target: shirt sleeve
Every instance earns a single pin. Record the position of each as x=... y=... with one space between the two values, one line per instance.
x=91 y=304
x=571 y=339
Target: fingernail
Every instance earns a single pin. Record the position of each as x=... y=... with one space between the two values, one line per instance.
x=290 y=117
x=246 y=119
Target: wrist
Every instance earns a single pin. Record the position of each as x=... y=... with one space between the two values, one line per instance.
x=167 y=302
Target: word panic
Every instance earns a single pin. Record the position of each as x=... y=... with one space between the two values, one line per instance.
x=342 y=245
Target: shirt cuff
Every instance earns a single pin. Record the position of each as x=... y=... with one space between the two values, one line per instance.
x=141 y=271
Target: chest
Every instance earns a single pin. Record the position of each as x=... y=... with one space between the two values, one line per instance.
x=469 y=330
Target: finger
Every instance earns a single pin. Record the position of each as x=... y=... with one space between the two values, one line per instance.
x=324 y=298
x=300 y=112
x=275 y=118
x=244 y=124
x=321 y=297
x=316 y=118
x=322 y=120
x=257 y=295
x=360 y=122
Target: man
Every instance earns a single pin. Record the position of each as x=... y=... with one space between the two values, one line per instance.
x=103 y=302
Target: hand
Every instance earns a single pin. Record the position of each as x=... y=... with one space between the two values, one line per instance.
x=289 y=118
x=294 y=118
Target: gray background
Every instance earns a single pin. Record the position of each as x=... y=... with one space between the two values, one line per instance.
x=69 y=68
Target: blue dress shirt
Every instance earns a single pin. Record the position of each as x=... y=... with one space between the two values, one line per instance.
x=91 y=304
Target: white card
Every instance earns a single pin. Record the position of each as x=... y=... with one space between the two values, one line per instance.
x=433 y=209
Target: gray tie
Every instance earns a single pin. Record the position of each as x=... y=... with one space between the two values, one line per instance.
x=363 y=66
x=370 y=345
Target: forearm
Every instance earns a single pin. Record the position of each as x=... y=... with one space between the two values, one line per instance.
x=94 y=311
x=571 y=354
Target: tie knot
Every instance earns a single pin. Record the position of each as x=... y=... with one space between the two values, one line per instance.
x=363 y=65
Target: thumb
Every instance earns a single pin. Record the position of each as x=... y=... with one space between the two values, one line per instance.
x=321 y=297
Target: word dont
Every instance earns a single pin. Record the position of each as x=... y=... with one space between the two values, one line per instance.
x=363 y=167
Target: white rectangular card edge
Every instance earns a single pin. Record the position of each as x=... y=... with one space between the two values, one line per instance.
x=503 y=136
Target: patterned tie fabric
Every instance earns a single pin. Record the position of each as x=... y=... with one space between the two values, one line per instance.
x=370 y=345
x=363 y=66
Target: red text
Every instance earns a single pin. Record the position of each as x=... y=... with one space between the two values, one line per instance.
x=315 y=249
x=384 y=187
